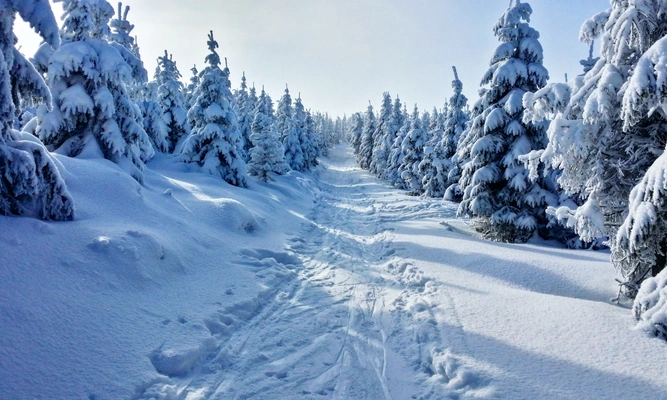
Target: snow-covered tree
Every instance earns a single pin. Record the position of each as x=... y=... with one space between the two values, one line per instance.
x=246 y=111
x=455 y=123
x=31 y=184
x=497 y=190
x=309 y=142
x=612 y=128
x=126 y=45
x=92 y=113
x=430 y=168
x=356 y=130
x=400 y=118
x=286 y=130
x=381 y=139
x=267 y=154
x=153 y=120
x=365 y=154
x=171 y=99
x=299 y=131
x=214 y=141
x=412 y=149
x=189 y=93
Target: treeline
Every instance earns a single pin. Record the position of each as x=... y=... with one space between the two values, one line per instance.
x=580 y=161
x=86 y=93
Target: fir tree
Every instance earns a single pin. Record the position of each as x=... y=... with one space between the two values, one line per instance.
x=287 y=132
x=497 y=190
x=381 y=139
x=92 y=111
x=356 y=130
x=455 y=124
x=309 y=141
x=412 y=149
x=267 y=154
x=31 y=184
x=400 y=116
x=366 y=145
x=299 y=130
x=171 y=100
x=246 y=112
x=153 y=120
x=214 y=142
x=190 y=97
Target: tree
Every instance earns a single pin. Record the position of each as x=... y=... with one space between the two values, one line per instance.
x=612 y=127
x=455 y=124
x=366 y=145
x=190 y=90
x=497 y=190
x=299 y=130
x=412 y=149
x=381 y=143
x=267 y=154
x=171 y=100
x=400 y=118
x=287 y=132
x=356 y=130
x=31 y=184
x=92 y=111
x=246 y=112
x=431 y=166
x=153 y=120
x=214 y=142
x=309 y=140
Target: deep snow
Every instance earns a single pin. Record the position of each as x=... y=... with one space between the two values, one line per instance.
x=323 y=285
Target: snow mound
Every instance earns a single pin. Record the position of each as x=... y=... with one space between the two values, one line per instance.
x=181 y=358
x=650 y=306
x=235 y=216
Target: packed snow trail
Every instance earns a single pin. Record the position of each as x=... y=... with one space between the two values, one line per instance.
x=336 y=328
x=388 y=296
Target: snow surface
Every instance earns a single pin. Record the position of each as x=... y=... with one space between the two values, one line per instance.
x=322 y=285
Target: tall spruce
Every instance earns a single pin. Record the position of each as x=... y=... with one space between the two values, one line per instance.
x=31 y=184
x=93 y=114
x=267 y=155
x=497 y=190
x=214 y=142
x=171 y=99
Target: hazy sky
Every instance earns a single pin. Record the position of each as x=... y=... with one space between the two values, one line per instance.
x=341 y=53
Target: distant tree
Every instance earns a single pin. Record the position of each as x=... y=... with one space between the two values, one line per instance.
x=153 y=121
x=31 y=184
x=309 y=140
x=367 y=141
x=497 y=191
x=246 y=112
x=189 y=93
x=413 y=153
x=171 y=100
x=381 y=139
x=400 y=117
x=456 y=122
x=267 y=153
x=355 y=132
x=286 y=129
x=214 y=142
x=92 y=113
x=299 y=129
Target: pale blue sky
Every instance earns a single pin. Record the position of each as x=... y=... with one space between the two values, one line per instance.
x=341 y=53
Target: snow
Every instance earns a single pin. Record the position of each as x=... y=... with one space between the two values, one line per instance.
x=328 y=284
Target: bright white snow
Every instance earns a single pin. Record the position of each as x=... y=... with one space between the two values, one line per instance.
x=323 y=285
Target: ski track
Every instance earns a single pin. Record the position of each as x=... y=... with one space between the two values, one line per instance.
x=343 y=315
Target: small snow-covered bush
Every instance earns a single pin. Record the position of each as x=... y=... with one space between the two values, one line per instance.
x=650 y=306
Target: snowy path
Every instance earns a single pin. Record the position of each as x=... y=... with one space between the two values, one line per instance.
x=376 y=299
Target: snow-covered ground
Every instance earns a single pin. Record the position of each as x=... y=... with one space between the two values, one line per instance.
x=330 y=285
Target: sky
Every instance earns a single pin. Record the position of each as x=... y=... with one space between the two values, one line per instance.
x=341 y=54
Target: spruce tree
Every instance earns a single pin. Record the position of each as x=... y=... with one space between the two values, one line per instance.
x=171 y=100
x=381 y=143
x=456 y=122
x=497 y=190
x=299 y=129
x=92 y=113
x=356 y=130
x=310 y=150
x=246 y=112
x=31 y=184
x=153 y=121
x=214 y=142
x=400 y=116
x=412 y=149
x=366 y=144
x=189 y=93
x=267 y=154
x=287 y=132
